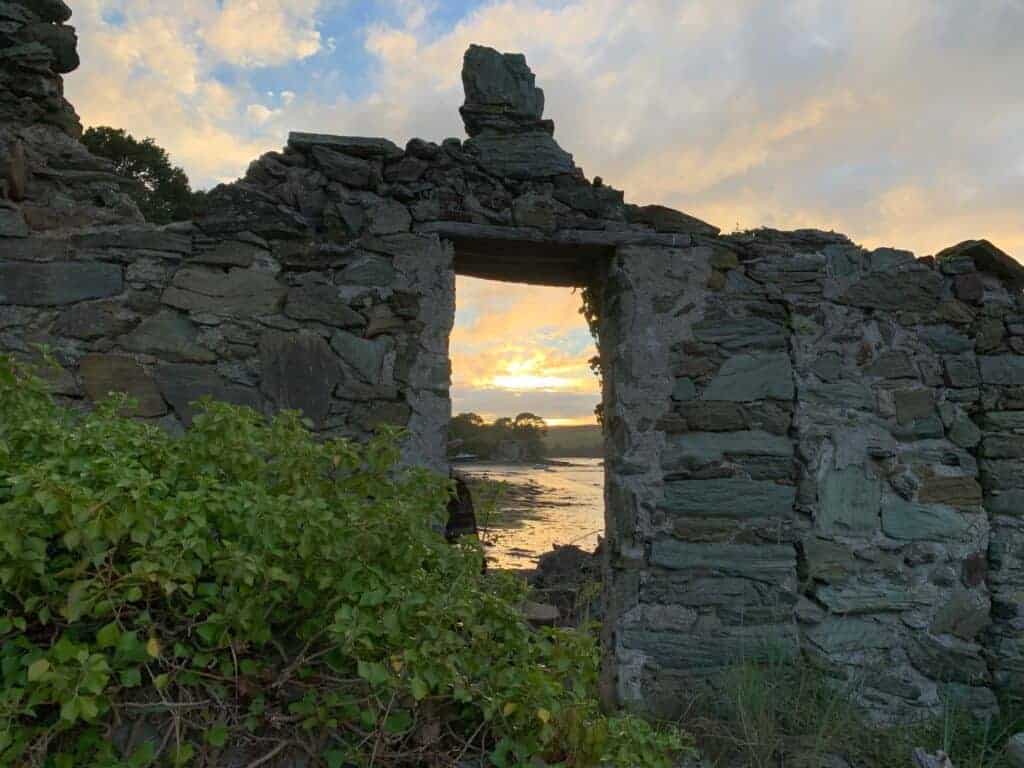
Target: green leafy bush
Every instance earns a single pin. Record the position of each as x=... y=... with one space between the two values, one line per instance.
x=245 y=589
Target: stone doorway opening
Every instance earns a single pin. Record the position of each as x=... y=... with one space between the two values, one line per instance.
x=525 y=403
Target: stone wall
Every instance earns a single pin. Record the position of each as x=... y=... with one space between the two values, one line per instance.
x=811 y=448
x=834 y=468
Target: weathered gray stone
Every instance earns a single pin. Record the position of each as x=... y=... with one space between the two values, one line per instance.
x=1001 y=474
x=889 y=259
x=95 y=320
x=892 y=365
x=1003 y=447
x=748 y=377
x=299 y=373
x=730 y=498
x=58 y=379
x=351 y=171
x=239 y=293
x=704 y=652
x=60 y=39
x=696 y=449
x=684 y=390
x=356 y=146
x=987 y=258
x=1003 y=421
x=741 y=333
x=393 y=414
x=914 y=522
x=964 y=615
x=913 y=404
x=715 y=416
x=948 y=659
x=522 y=156
x=534 y=210
x=851 y=395
x=920 y=429
x=1004 y=370
x=389 y=217
x=231 y=253
x=183 y=384
x=663 y=219
x=964 y=432
x=13 y=12
x=961 y=371
x=57 y=284
x=768 y=562
x=381 y=320
x=323 y=304
x=916 y=290
x=171 y=336
x=828 y=561
x=147 y=238
x=988 y=336
x=362 y=356
x=848 y=501
x=370 y=270
x=500 y=91
x=946 y=340
x=407 y=171
x=1010 y=503
x=16 y=174
x=103 y=374
x=969 y=288
x=870 y=598
x=12 y=222
x=951 y=491
x=54 y=11
x=838 y=635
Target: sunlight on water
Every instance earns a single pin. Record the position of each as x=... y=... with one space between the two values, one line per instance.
x=545 y=505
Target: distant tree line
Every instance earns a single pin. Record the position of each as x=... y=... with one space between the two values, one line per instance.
x=164 y=194
x=470 y=433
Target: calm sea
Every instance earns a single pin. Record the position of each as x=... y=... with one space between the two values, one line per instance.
x=544 y=505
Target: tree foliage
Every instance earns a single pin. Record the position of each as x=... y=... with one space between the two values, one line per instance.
x=469 y=433
x=244 y=590
x=164 y=193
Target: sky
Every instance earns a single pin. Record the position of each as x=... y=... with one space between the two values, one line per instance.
x=899 y=123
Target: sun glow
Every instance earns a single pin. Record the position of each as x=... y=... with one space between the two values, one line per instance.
x=526 y=381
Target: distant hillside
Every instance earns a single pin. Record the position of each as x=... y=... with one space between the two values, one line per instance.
x=578 y=441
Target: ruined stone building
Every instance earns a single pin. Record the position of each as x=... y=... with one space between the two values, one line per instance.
x=810 y=447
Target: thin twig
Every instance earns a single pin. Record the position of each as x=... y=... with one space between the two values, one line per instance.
x=469 y=741
x=159 y=705
x=380 y=731
x=269 y=756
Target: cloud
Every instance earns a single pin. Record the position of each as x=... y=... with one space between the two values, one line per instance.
x=260 y=33
x=521 y=347
x=161 y=73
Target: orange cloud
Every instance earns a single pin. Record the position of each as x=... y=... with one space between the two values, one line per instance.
x=520 y=338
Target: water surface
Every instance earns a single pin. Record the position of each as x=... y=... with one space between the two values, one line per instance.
x=544 y=505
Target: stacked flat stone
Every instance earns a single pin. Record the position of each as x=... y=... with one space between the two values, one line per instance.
x=48 y=181
x=36 y=47
x=835 y=416
x=995 y=391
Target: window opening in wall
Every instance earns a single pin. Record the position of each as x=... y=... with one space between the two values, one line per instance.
x=524 y=432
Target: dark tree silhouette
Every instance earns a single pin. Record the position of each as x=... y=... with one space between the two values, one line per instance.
x=165 y=194
x=469 y=433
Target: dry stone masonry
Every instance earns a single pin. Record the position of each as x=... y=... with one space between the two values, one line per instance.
x=812 y=448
